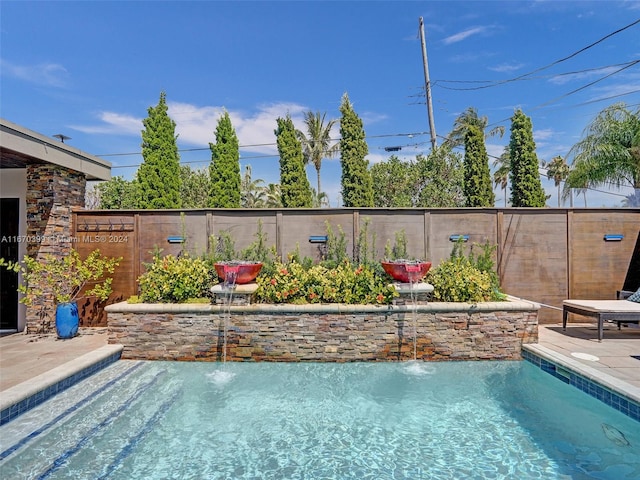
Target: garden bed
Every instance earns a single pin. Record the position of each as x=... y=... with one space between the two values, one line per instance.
x=323 y=332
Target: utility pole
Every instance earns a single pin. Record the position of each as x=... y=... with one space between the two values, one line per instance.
x=427 y=85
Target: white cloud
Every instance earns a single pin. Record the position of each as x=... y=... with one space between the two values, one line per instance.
x=113 y=123
x=48 y=74
x=196 y=125
x=585 y=75
x=543 y=135
x=506 y=68
x=458 y=37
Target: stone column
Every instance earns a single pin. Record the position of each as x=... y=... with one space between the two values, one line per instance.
x=52 y=193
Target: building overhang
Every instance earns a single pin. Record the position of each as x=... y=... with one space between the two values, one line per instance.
x=20 y=147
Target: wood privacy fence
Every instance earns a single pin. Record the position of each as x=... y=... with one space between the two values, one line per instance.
x=545 y=255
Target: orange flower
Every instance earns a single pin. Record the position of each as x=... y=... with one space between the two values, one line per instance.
x=380 y=298
x=284 y=272
x=273 y=281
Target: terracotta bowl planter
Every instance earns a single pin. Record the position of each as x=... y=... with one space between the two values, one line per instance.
x=406 y=271
x=245 y=272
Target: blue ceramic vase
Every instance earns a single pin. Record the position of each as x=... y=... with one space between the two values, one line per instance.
x=67 y=320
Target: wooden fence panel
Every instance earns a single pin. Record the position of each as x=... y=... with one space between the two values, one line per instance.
x=598 y=267
x=543 y=255
x=533 y=258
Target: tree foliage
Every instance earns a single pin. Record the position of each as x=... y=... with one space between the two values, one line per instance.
x=469 y=118
x=440 y=179
x=609 y=152
x=526 y=188
x=394 y=183
x=195 y=187
x=159 y=175
x=557 y=170
x=224 y=169
x=357 y=186
x=252 y=192
x=501 y=174
x=117 y=193
x=430 y=181
x=477 y=178
x=294 y=185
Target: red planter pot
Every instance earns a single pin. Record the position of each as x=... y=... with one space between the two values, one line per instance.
x=244 y=272
x=406 y=272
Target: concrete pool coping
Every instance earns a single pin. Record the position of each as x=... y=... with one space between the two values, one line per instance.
x=30 y=364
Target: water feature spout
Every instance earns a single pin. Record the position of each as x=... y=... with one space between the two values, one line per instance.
x=230 y=276
x=410 y=272
x=414 y=272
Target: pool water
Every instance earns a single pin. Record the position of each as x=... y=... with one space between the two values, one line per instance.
x=454 y=420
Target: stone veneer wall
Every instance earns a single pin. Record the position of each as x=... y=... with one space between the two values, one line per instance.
x=292 y=333
x=52 y=193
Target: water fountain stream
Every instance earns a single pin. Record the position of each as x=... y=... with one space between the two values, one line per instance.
x=222 y=376
x=413 y=271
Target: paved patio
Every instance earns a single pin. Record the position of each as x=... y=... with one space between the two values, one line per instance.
x=26 y=361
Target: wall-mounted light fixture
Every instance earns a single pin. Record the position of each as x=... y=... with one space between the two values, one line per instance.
x=457 y=238
x=613 y=237
x=318 y=239
x=175 y=239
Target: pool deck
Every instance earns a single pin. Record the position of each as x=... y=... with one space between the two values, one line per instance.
x=29 y=363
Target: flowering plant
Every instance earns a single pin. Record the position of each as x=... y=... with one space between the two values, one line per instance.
x=293 y=283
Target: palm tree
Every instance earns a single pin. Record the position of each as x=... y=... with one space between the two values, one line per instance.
x=501 y=175
x=632 y=200
x=251 y=191
x=316 y=145
x=609 y=152
x=273 y=197
x=466 y=119
x=558 y=170
x=321 y=200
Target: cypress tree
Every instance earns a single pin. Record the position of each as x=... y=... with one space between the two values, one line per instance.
x=357 y=185
x=294 y=184
x=526 y=188
x=224 y=170
x=477 y=178
x=159 y=175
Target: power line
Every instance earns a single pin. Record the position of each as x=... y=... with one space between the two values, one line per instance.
x=564 y=59
x=557 y=75
x=410 y=135
x=586 y=86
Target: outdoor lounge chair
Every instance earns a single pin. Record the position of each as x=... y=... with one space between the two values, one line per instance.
x=621 y=311
x=624 y=310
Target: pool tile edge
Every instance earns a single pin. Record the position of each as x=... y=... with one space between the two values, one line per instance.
x=616 y=393
x=26 y=395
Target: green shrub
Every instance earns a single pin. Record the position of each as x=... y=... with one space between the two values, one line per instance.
x=293 y=283
x=174 y=280
x=458 y=280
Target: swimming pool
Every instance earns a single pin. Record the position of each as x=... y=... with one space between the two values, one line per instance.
x=454 y=420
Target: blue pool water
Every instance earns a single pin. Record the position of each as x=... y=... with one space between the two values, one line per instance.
x=455 y=420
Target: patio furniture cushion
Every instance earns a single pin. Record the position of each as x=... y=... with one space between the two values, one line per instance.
x=611 y=306
x=635 y=297
x=619 y=311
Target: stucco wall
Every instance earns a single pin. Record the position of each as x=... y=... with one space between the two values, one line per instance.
x=339 y=333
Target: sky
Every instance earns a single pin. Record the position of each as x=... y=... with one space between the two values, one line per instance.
x=91 y=69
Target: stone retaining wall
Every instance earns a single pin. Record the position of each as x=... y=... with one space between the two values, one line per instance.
x=52 y=194
x=325 y=333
